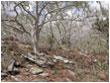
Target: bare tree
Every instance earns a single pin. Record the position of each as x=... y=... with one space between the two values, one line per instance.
x=36 y=14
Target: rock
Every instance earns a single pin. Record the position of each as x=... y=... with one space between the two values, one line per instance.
x=66 y=61
x=44 y=74
x=3 y=74
x=30 y=56
x=50 y=63
x=63 y=59
x=36 y=80
x=15 y=69
x=58 y=57
x=71 y=62
x=42 y=54
x=55 y=61
x=83 y=53
x=11 y=65
x=36 y=70
x=29 y=65
x=26 y=70
x=68 y=80
x=34 y=58
x=19 y=76
x=41 y=61
x=16 y=79
x=3 y=80
x=27 y=73
x=17 y=64
x=95 y=60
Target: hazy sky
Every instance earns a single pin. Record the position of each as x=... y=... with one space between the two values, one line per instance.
x=93 y=5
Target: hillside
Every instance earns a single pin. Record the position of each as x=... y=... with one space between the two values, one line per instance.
x=70 y=65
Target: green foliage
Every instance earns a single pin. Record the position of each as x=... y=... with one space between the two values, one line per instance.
x=102 y=26
x=107 y=50
x=104 y=11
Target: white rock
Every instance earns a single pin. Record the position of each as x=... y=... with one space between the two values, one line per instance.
x=44 y=74
x=58 y=57
x=66 y=61
x=15 y=69
x=36 y=70
x=95 y=60
x=62 y=59
x=68 y=80
x=54 y=60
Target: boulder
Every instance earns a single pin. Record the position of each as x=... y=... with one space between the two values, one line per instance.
x=36 y=70
x=42 y=61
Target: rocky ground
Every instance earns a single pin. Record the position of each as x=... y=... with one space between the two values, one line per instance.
x=19 y=64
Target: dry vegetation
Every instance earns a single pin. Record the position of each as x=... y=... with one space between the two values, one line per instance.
x=92 y=67
x=53 y=43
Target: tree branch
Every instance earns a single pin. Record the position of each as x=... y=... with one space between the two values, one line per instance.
x=59 y=9
x=14 y=28
x=18 y=21
x=37 y=15
x=43 y=8
x=28 y=12
x=46 y=4
x=75 y=19
x=53 y=11
x=37 y=7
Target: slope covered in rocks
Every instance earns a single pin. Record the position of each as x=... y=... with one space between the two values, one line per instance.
x=55 y=65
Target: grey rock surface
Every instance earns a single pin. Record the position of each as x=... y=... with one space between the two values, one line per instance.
x=42 y=61
x=11 y=65
x=36 y=70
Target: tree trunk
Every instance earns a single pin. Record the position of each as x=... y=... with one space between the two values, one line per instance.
x=35 y=39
